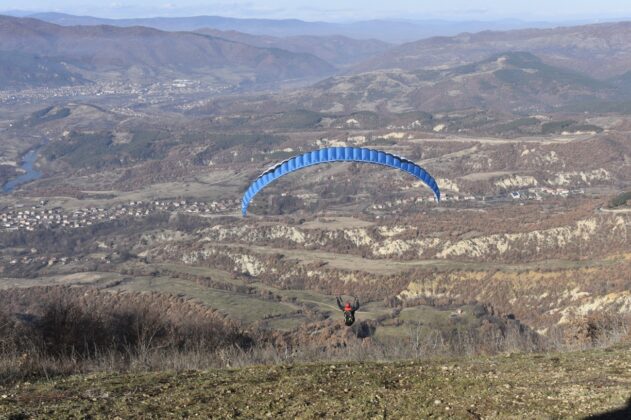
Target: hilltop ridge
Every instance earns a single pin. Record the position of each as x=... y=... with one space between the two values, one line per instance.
x=508 y=386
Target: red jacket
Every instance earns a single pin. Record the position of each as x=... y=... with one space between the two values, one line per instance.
x=347 y=307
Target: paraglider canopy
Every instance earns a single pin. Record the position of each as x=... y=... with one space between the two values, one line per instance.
x=337 y=154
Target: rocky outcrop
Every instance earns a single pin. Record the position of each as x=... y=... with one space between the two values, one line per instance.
x=600 y=233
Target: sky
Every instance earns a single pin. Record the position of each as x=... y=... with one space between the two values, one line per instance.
x=339 y=10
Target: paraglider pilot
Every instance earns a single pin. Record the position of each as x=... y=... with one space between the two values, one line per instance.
x=349 y=310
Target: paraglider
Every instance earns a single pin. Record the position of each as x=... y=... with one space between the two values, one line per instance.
x=337 y=154
x=349 y=310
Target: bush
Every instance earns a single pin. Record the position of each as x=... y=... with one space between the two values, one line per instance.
x=620 y=200
x=74 y=329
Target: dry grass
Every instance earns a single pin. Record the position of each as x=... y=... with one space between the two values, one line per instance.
x=566 y=385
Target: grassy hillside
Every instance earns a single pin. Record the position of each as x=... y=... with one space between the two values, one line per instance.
x=508 y=386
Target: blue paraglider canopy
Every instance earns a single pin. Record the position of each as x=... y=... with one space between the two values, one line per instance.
x=337 y=154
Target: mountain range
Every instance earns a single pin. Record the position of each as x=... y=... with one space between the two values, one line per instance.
x=339 y=50
x=383 y=29
x=140 y=54
x=601 y=50
x=522 y=71
x=514 y=82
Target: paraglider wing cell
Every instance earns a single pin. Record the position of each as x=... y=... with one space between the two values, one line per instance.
x=331 y=154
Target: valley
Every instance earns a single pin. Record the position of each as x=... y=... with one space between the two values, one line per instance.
x=146 y=149
x=519 y=214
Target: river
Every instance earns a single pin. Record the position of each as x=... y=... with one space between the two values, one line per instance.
x=31 y=174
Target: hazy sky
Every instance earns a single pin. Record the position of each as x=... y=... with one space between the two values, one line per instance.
x=338 y=10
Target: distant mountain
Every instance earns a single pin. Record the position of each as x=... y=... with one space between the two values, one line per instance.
x=17 y=13
x=139 y=54
x=386 y=30
x=335 y=49
x=516 y=82
x=19 y=70
x=602 y=50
